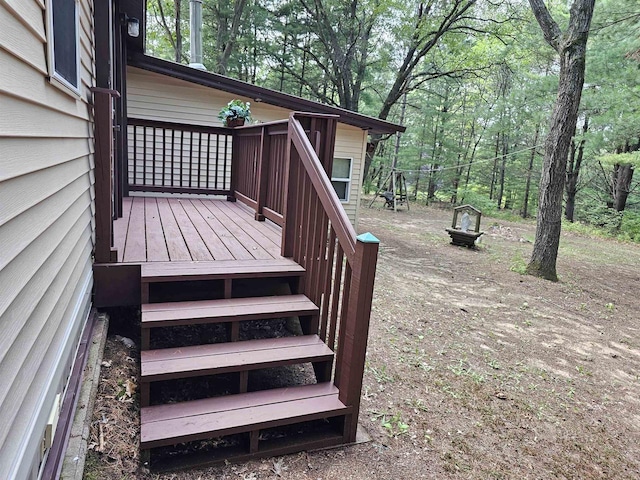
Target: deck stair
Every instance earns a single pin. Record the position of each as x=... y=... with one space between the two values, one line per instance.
x=245 y=413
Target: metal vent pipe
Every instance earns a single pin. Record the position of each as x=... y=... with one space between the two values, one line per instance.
x=195 y=35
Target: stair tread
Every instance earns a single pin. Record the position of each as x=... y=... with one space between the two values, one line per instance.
x=200 y=419
x=224 y=310
x=172 y=271
x=210 y=359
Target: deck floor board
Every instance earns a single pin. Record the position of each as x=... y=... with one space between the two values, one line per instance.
x=255 y=230
x=192 y=229
x=156 y=245
x=237 y=249
x=135 y=246
x=176 y=245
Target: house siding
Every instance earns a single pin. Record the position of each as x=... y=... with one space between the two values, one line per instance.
x=152 y=96
x=46 y=233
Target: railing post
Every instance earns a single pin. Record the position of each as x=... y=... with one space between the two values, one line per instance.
x=322 y=135
x=103 y=170
x=355 y=329
x=235 y=154
x=262 y=171
x=292 y=164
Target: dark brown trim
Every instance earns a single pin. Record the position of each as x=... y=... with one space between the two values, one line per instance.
x=53 y=464
x=134 y=9
x=167 y=189
x=102 y=112
x=259 y=94
x=246 y=200
x=275 y=217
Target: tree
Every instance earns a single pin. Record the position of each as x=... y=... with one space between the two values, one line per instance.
x=576 y=156
x=571 y=47
x=166 y=24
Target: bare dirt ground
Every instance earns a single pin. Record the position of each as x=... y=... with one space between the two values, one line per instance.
x=473 y=370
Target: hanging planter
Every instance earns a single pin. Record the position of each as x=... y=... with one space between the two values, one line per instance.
x=235 y=113
x=234 y=122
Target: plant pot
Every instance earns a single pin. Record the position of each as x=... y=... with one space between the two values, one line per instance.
x=235 y=122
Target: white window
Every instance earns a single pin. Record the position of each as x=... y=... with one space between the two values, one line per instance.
x=341 y=177
x=63 y=43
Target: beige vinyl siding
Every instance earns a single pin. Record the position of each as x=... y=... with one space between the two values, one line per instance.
x=46 y=191
x=153 y=96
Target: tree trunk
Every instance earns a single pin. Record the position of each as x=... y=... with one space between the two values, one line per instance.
x=571 y=47
x=495 y=167
x=622 y=176
x=573 y=173
x=571 y=187
x=503 y=168
x=527 y=189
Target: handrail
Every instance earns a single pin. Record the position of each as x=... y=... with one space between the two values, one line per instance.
x=249 y=126
x=327 y=195
x=143 y=122
x=339 y=266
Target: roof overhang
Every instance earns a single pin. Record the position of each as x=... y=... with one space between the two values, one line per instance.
x=259 y=94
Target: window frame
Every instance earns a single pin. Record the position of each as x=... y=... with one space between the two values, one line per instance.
x=56 y=78
x=346 y=180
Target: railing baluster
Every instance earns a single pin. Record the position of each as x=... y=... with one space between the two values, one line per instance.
x=173 y=152
x=144 y=156
x=215 y=179
x=164 y=153
x=208 y=154
x=135 y=152
x=327 y=274
x=153 y=156
x=199 y=156
x=181 y=156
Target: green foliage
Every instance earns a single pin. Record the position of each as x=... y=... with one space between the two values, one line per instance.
x=235 y=109
x=611 y=159
x=630 y=226
x=597 y=214
x=519 y=265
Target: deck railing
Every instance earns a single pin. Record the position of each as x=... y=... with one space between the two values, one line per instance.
x=259 y=162
x=340 y=266
x=282 y=170
x=178 y=158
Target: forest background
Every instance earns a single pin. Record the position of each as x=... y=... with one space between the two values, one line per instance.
x=473 y=81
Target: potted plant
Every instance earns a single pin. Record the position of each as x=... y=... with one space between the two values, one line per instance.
x=235 y=113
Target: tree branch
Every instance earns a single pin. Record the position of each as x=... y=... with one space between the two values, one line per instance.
x=550 y=29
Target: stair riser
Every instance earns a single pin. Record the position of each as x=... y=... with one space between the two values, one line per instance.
x=148 y=444
x=232 y=369
x=149 y=324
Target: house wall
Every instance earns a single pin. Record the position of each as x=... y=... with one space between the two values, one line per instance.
x=46 y=155
x=153 y=96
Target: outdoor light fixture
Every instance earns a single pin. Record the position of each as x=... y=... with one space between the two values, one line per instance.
x=133 y=27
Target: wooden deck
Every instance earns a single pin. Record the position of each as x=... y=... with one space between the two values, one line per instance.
x=184 y=229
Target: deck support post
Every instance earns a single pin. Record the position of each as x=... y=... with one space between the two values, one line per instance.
x=104 y=182
x=350 y=368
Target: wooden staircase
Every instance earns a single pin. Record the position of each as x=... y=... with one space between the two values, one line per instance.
x=248 y=414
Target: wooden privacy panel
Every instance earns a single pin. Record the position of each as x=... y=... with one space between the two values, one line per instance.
x=260 y=160
x=173 y=157
x=247 y=157
x=276 y=170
